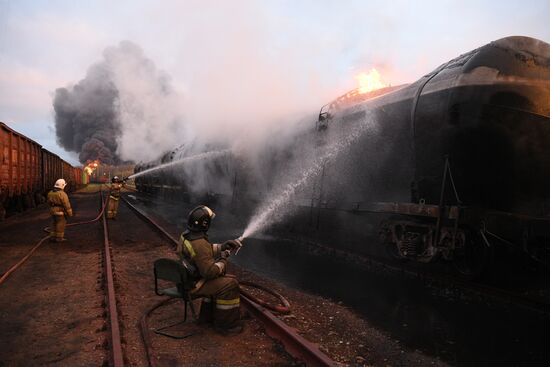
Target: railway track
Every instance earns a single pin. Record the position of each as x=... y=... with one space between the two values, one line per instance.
x=115 y=344
x=474 y=288
x=294 y=343
x=500 y=295
x=297 y=346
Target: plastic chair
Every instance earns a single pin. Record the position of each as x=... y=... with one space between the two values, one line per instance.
x=173 y=271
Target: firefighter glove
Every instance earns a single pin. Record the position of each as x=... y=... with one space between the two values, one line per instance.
x=231 y=245
x=225 y=254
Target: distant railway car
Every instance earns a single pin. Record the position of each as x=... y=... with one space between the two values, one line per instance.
x=52 y=169
x=77 y=176
x=20 y=169
x=68 y=174
x=28 y=171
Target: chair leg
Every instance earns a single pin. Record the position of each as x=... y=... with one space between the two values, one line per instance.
x=193 y=312
x=160 y=331
x=185 y=310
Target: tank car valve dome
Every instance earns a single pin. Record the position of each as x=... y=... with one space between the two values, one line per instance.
x=60 y=184
x=199 y=219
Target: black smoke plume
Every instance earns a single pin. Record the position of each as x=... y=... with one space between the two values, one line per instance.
x=86 y=116
x=100 y=116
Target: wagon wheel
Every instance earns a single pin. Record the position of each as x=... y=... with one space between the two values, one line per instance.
x=391 y=247
x=471 y=255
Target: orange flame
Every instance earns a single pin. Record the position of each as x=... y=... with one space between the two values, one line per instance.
x=91 y=167
x=369 y=82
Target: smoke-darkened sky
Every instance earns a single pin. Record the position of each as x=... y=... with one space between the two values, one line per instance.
x=234 y=64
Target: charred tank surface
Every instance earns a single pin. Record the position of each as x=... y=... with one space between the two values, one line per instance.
x=449 y=167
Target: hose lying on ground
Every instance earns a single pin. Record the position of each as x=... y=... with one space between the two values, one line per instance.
x=26 y=257
x=144 y=327
x=283 y=309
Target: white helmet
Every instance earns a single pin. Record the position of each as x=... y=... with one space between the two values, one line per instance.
x=60 y=184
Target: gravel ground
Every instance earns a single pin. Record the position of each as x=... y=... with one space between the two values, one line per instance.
x=134 y=252
x=52 y=315
x=341 y=333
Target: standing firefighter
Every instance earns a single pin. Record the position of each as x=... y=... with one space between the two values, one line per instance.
x=221 y=300
x=114 y=197
x=59 y=207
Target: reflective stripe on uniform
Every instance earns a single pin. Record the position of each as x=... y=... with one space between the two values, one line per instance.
x=188 y=246
x=227 y=307
x=220 y=266
x=112 y=197
x=58 y=213
x=227 y=304
x=234 y=301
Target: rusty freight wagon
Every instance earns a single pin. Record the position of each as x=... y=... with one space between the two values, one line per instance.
x=28 y=171
x=20 y=170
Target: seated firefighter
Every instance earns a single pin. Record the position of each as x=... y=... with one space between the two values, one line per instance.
x=114 y=197
x=59 y=208
x=221 y=302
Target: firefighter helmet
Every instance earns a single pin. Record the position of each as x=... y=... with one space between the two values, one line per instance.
x=60 y=184
x=115 y=179
x=199 y=219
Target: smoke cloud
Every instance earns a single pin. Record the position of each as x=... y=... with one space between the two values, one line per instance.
x=124 y=109
x=86 y=116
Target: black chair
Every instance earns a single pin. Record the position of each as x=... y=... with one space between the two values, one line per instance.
x=173 y=271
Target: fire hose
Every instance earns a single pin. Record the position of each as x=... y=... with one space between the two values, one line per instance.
x=39 y=243
x=284 y=308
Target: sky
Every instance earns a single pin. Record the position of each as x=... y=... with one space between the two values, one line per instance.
x=289 y=57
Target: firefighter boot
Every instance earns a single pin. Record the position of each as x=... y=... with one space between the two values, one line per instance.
x=206 y=312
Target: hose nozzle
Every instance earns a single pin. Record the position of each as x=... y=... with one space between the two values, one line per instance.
x=239 y=241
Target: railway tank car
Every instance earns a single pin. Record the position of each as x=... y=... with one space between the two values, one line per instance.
x=451 y=166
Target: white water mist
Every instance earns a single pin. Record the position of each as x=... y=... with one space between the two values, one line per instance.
x=273 y=210
x=196 y=157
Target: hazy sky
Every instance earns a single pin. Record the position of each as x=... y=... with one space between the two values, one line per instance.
x=308 y=51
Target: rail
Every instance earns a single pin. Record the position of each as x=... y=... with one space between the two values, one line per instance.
x=17 y=265
x=116 y=345
x=295 y=344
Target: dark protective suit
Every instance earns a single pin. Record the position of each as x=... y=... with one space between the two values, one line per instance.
x=59 y=207
x=114 y=197
x=222 y=302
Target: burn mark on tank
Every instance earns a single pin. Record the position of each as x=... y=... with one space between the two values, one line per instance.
x=512 y=100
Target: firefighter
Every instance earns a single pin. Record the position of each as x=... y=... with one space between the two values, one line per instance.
x=221 y=301
x=60 y=207
x=114 y=197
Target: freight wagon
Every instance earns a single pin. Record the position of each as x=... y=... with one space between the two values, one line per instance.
x=28 y=172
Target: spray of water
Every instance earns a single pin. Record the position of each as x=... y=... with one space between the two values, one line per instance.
x=197 y=157
x=274 y=209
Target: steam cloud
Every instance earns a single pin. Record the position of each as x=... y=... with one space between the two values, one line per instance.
x=113 y=113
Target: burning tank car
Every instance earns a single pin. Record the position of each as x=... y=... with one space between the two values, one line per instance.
x=449 y=167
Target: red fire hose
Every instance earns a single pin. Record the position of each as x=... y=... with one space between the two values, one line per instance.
x=144 y=326
x=284 y=308
x=26 y=257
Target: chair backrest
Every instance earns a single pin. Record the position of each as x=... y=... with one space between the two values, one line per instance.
x=173 y=271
